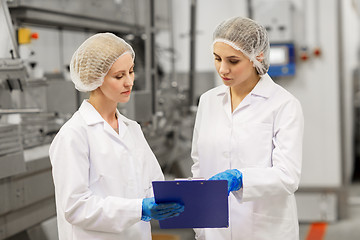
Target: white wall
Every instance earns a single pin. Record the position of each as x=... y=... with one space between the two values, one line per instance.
x=209 y=14
x=181 y=24
x=316 y=85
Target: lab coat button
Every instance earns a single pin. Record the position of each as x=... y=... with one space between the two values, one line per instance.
x=226 y=154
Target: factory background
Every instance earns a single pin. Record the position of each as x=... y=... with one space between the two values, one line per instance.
x=315 y=54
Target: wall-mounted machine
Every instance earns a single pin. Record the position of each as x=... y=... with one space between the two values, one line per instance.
x=282 y=59
x=277 y=18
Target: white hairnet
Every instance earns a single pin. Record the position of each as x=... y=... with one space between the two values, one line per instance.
x=94 y=58
x=247 y=36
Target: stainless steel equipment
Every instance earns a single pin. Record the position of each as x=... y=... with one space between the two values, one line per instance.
x=26 y=187
x=11 y=151
x=27 y=198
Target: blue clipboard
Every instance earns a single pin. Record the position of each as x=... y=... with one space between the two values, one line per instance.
x=205 y=201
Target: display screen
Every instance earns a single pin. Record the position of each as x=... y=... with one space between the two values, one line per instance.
x=279 y=55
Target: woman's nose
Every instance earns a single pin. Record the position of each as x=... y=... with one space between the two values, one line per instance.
x=129 y=81
x=224 y=69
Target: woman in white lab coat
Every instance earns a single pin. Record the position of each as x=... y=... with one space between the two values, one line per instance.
x=102 y=165
x=249 y=131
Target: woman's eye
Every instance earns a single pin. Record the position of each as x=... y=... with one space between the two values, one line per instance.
x=119 y=77
x=234 y=61
x=218 y=59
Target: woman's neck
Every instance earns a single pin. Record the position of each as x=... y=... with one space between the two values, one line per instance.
x=239 y=92
x=105 y=107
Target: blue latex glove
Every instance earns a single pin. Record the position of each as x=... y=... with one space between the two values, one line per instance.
x=233 y=176
x=160 y=211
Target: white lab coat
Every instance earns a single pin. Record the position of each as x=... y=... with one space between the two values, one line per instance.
x=101 y=178
x=263 y=139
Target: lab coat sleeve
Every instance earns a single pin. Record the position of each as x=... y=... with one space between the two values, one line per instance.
x=156 y=173
x=283 y=177
x=69 y=155
x=195 y=168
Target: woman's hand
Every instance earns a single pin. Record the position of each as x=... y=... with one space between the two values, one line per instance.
x=160 y=211
x=233 y=176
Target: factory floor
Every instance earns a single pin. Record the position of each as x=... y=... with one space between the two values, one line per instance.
x=345 y=229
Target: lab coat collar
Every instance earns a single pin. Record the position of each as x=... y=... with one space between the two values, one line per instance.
x=123 y=123
x=92 y=117
x=263 y=88
x=89 y=113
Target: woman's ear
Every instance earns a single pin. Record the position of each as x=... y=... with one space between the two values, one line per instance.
x=260 y=57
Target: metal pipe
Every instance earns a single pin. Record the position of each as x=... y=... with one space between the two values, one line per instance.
x=343 y=193
x=250 y=9
x=192 y=51
x=172 y=41
x=16 y=111
x=344 y=179
x=154 y=82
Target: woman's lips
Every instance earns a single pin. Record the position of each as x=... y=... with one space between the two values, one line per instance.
x=126 y=93
x=226 y=79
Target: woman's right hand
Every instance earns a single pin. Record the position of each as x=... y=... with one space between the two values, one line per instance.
x=160 y=211
x=234 y=178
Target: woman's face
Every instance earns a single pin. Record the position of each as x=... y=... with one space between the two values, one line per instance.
x=233 y=66
x=119 y=81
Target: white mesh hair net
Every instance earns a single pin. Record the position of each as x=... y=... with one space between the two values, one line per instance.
x=93 y=59
x=247 y=36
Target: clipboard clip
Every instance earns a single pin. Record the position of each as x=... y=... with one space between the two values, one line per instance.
x=190 y=179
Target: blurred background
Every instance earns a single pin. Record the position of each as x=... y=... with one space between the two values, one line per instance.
x=315 y=54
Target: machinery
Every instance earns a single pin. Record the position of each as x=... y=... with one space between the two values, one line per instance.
x=34 y=81
x=27 y=195
x=279 y=25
